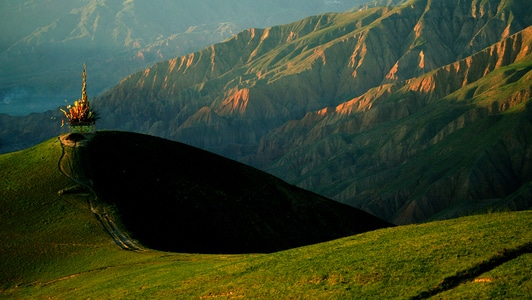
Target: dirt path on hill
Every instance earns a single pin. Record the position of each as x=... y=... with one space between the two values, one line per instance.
x=74 y=165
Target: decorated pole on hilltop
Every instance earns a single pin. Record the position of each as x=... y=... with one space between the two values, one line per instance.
x=84 y=85
x=80 y=117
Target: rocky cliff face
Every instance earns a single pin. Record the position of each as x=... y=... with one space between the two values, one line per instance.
x=410 y=150
x=396 y=110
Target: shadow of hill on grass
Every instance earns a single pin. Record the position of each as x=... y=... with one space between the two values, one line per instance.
x=175 y=197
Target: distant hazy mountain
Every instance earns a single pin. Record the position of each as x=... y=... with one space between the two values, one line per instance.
x=410 y=112
x=44 y=43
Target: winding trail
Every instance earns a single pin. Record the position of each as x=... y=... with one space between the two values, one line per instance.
x=72 y=164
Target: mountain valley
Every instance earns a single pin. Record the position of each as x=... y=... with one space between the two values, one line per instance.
x=412 y=112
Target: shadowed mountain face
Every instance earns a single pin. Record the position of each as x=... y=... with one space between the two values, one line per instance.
x=175 y=197
x=411 y=112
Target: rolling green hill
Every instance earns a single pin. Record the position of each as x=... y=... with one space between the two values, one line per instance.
x=54 y=247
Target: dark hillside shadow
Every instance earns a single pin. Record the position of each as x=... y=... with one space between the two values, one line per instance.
x=178 y=198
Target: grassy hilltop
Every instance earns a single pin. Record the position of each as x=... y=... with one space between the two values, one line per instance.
x=53 y=246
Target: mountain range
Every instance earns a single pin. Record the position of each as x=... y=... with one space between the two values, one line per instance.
x=46 y=41
x=412 y=112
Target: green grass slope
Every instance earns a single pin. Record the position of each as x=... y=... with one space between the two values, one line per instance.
x=38 y=228
x=53 y=247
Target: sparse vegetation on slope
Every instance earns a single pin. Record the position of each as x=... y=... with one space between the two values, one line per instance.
x=420 y=153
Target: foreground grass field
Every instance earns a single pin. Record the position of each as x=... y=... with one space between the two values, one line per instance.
x=53 y=247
